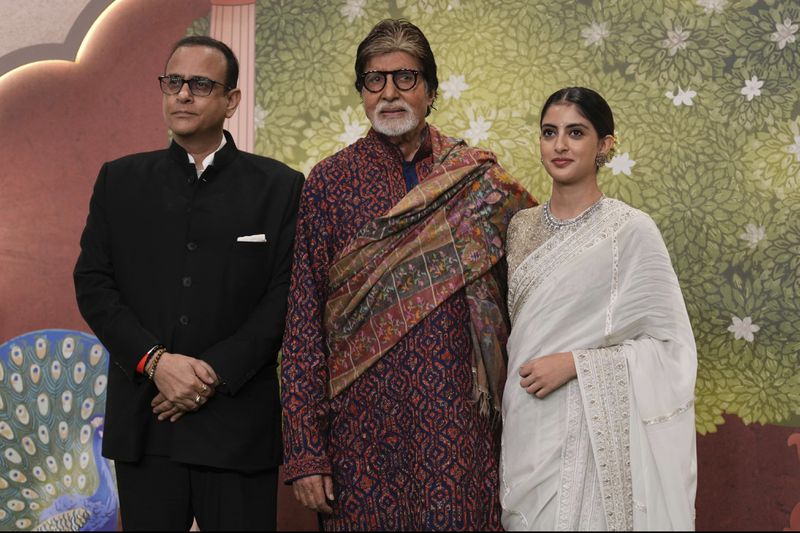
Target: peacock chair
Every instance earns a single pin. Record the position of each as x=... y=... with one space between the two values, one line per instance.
x=52 y=403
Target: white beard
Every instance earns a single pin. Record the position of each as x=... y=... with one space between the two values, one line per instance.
x=394 y=127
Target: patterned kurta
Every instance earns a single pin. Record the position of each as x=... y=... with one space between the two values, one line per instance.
x=405 y=443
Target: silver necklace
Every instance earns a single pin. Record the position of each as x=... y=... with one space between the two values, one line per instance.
x=555 y=224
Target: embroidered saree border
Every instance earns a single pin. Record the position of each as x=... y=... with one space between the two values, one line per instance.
x=603 y=376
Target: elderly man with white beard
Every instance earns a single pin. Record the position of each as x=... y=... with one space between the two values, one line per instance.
x=393 y=356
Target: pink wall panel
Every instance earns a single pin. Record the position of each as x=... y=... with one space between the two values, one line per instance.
x=60 y=121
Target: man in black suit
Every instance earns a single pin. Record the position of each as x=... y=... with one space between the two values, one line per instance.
x=183 y=275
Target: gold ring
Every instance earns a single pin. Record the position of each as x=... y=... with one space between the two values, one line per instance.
x=197 y=399
x=204 y=388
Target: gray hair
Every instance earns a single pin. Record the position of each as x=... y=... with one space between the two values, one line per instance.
x=397 y=35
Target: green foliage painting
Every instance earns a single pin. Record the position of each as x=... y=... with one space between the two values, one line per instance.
x=706 y=95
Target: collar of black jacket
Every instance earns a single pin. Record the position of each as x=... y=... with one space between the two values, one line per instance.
x=222 y=158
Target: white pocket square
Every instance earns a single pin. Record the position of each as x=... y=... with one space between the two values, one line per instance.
x=260 y=237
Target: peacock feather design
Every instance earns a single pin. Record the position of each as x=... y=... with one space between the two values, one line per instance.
x=52 y=402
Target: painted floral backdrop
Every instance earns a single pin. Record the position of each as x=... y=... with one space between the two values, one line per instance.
x=706 y=95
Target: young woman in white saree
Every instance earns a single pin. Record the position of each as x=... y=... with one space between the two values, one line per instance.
x=598 y=407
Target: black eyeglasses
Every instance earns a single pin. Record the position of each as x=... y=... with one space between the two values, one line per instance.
x=404 y=79
x=198 y=85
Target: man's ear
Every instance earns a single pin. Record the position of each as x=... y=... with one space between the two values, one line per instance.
x=234 y=96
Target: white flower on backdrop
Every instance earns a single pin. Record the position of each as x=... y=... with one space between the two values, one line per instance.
x=621 y=163
x=784 y=33
x=595 y=34
x=676 y=40
x=454 y=86
x=753 y=234
x=752 y=88
x=478 y=128
x=743 y=328
x=353 y=9
x=353 y=129
x=681 y=97
x=713 y=6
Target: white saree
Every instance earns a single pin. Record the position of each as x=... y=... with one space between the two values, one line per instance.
x=613 y=449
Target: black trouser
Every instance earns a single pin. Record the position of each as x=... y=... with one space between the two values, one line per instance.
x=159 y=494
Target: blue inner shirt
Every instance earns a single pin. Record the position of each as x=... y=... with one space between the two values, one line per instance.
x=410 y=175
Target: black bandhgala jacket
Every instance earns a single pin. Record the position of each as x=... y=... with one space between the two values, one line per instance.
x=160 y=263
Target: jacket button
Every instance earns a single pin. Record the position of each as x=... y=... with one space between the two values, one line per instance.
x=187 y=281
x=184 y=320
x=192 y=246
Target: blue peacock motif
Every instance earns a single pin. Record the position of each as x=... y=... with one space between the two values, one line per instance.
x=52 y=402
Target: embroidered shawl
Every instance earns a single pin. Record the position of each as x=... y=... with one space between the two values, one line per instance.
x=446 y=234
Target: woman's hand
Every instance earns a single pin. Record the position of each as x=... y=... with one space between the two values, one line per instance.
x=543 y=375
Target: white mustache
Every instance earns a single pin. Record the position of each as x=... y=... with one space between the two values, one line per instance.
x=394 y=106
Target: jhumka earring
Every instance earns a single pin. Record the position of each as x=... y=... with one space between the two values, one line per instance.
x=600 y=160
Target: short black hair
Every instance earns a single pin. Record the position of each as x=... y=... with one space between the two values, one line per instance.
x=590 y=105
x=232 y=64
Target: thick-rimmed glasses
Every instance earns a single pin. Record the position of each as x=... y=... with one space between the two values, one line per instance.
x=198 y=85
x=404 y=79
